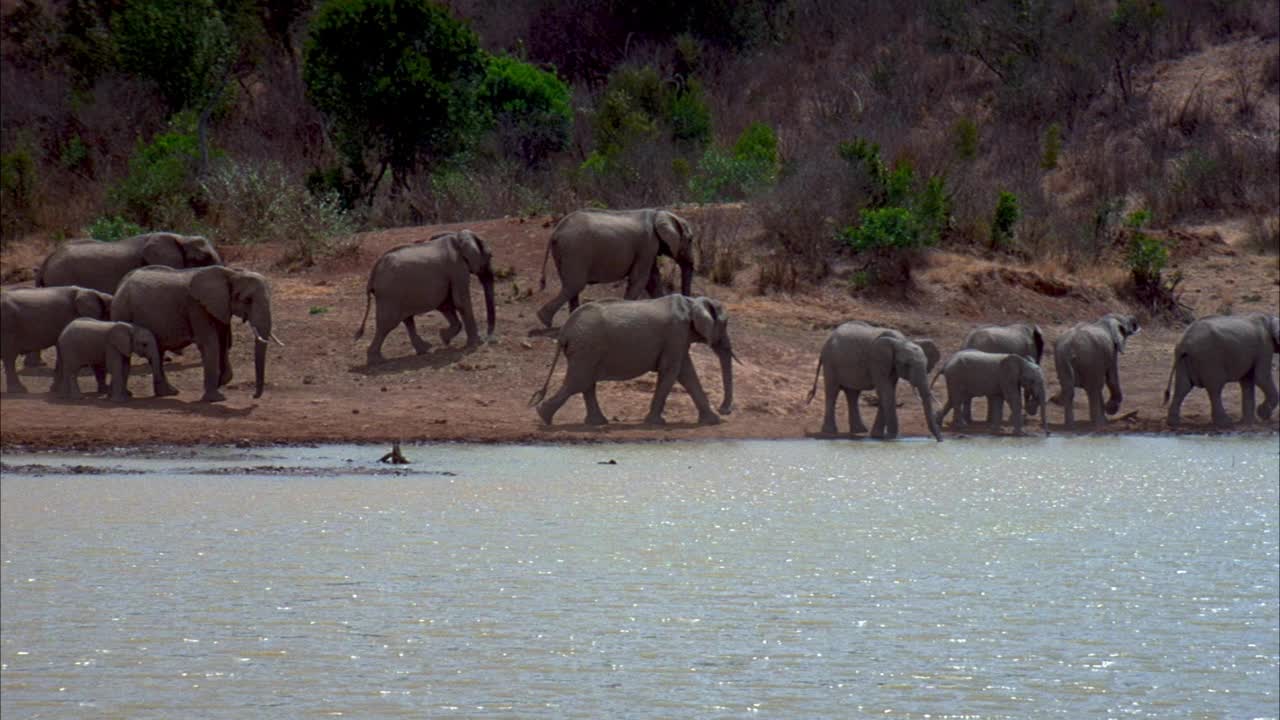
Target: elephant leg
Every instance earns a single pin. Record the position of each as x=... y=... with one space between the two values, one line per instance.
x=385 y=320
x=12 y=384
x=963 y=415
x=1181 y=387
x=575 y=301
x=32 y=359
x=667 y=373
x=225 y=373
x=208 y=334
x=450 y=313
x=160 y=386
x=1113 y=389
x=1248 y=401
x=1271 y=397
x=420 y=346
x=995 y=412
x=100 y=374
x=1068 y=396
x=1015 y=412
x=949 y=406
x=830 y=391
x=886 y=422
x=568 y=294
x=652 y=284
x=70 y=382
x=462 y=304
x=1220 y=416
x=118 y=367
x=856 y=426
x=637 y=281
x=595 y=416
x=688 y=378
x=576 y=380
x=1096 y=408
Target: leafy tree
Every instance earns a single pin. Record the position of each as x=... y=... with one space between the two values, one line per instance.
x=397 y=79
x=529 y=107
x=1006 y=216
x=749 y=167
x=182 y=45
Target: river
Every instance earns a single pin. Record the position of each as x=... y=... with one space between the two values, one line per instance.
x=989 y=578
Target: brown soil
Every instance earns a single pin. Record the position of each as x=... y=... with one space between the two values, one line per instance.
x=319 y=388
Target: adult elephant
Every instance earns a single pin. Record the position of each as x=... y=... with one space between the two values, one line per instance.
x=1088 y=356
x=1218 y=350
x=182 y=307
x=602 y=246
x=32 y=318
x=1025 y=339
x=1000 y=378
x=858 y=356
x=623 y=339
x=436 y=275
x=102 y=265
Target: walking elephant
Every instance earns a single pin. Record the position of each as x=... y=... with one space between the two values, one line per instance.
x=623 y=339
x=32 y=318
x=182 y=307
x=602 y=246
x=1088 y=356
x=436 y=275
x=1025 y=339
x=1218 y=350
x=857 y=357
x=1000 y=378
x=106 y=347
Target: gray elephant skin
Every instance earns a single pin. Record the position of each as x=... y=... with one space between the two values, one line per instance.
x=102 y=265
x=857 y=357
x=434 y=275
x=1000 y=378
x=1088 y=357
x=1218 y=350
x=623 y=339
x=1025 y=339
x=603 y=246
x=32 y=318
x=106 y=347
x=182 y=307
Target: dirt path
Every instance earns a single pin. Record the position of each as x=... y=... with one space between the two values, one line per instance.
x=320 y=390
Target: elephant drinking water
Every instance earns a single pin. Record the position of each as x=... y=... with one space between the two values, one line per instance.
x=1000 y=378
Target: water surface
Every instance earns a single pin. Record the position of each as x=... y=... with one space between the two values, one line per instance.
x=1081 y=577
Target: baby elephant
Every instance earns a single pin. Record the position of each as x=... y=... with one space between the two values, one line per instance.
x=1000 y=378
x=105 y=346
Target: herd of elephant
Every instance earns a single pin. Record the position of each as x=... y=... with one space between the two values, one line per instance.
x=99 y=303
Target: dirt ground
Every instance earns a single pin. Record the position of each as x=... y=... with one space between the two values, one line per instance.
x=320 y=390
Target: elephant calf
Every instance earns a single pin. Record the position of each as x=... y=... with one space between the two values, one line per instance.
x=32 y=318
x=857 y=357
x=1218 y=350
x=1023 y=339
x=106 y=347
x=1000 y=378
x=623 y=339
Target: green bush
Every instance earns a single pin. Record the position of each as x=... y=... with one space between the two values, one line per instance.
x=688 y=115
x=886 y=228
x=750 y=167
x=111 y=228
x=902 y=212
x=17 y=192
x=183 y=46
x=1005 y=217
x=398 y=79
x=638 y=108
x=160 y=188
x=1147 y=256
x=529 y=107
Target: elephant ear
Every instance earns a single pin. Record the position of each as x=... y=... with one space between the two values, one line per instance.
x=1037 y=337
x=668 y=232
x=163 y=249
x=703 y=316
x=884 y=351
x=1115 y=328
x=1272 y=323
x=91 y=304
x=931 y=353
x=212 y=289
x=120 y=337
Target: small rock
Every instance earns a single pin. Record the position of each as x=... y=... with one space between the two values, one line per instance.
x=384 y=388
x=308 y=379
x=526 y=344
x=355 y=411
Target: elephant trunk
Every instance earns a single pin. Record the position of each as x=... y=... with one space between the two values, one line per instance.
x=725 y=353
x=260 y=319
x=926 y=401
x=686 y=277
x=486 y=283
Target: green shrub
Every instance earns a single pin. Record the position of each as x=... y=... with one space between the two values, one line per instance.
x=529 y=107
x=638 y=108
x=886 y=228
x=750 y=167
x=161 y=185
x=17 y=192
x=74 y=155
x=111 y=228
x=183 y=46
x=1146 y=258
x=1005 y=217
x=902 y=212
x=688 y=115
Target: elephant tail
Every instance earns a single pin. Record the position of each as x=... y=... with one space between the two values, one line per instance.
x=814 y=390
x=542 y=284
x=368 y=300
x=539 y=395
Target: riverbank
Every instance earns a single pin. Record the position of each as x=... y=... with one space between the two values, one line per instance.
x=319 y=389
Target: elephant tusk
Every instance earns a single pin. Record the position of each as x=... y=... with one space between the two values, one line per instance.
x=278 y=342
x=734 y=355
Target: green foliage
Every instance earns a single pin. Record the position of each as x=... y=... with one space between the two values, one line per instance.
x=398 y=80
x=1147 y=256
x=112 y=228
x=529 y=107
x=1005 y=217
x=318 y=310
x=160 y=187
x=1051 y=147
x=885 y=228
x=639 y=108
x=965 y=132
x=688 y=115
x=75 y=154
x=17 y=191
x=182 y=45
x=750 y=167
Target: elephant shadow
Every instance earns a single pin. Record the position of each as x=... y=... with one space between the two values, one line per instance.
x=553 y=331
x=434 y=360
x=620 y=427
x=819 y=435
x=195 y=407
